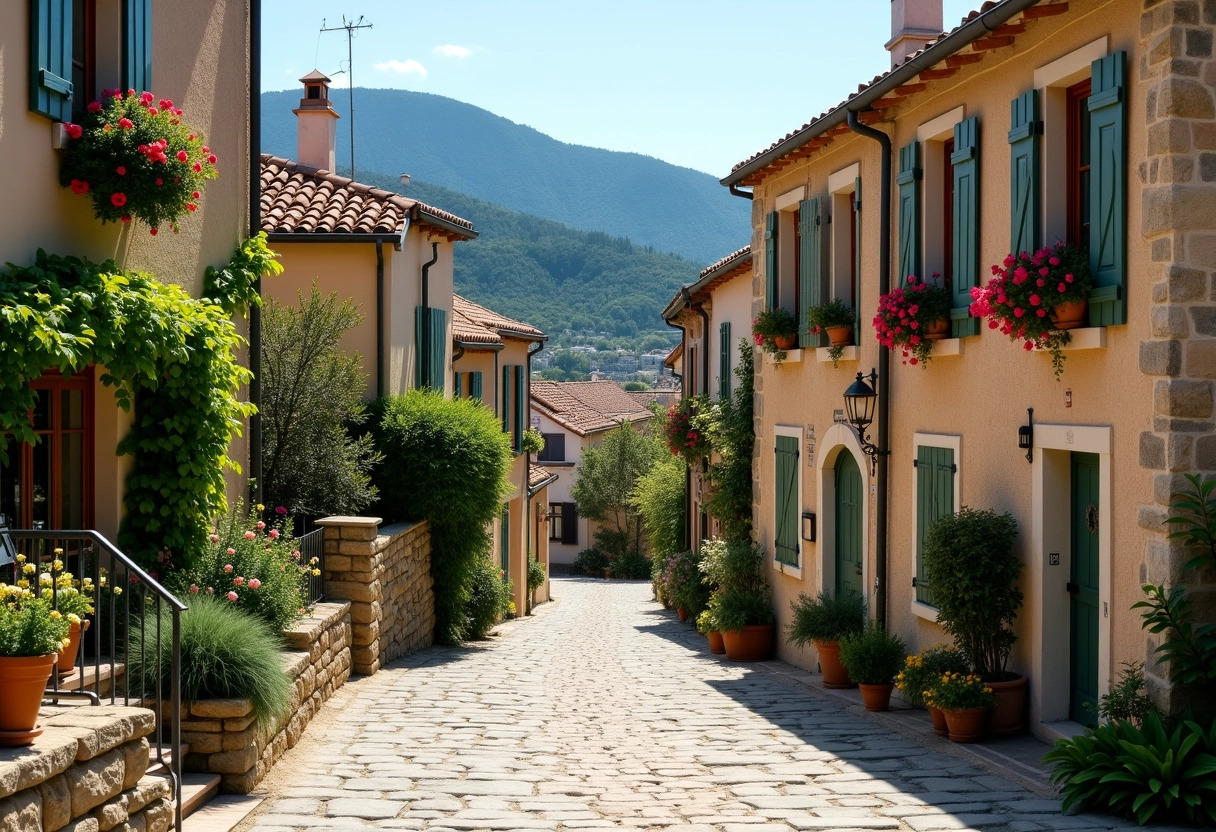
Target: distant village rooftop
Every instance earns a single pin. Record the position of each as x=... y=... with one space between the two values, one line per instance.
x=586 y=407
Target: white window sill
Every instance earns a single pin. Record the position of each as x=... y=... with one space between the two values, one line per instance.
x=922 y=610
x=1088 y=338
x=787 y=570
x=947 y=346
x=791 y=357
x=824 y=354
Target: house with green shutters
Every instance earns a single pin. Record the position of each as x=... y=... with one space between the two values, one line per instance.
x=1088 y=121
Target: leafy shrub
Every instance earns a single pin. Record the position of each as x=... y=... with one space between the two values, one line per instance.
x=733 y=608
x=445 y=461
x=489 y=599
x=658 y=497
x=254 y=566
x=536 y=575
x=684 y=582
x=226 y=654
x=1126 y=701
x=604 y=483
x=28 y=625
x=826 y=617
x=590 y=562
x=631 y=565
x=533 y=441
x=740 y=595
x=1142 y=773
x=922 y=670
x=873 y=656
x=733 y=436
x=955 y=691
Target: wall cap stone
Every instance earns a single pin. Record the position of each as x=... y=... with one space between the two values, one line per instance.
x=343 y=520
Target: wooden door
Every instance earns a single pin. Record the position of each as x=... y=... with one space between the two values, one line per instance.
x=849 y=525
x=1083 y=590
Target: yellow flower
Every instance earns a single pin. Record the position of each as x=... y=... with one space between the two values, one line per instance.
x=118 y=590
x=57 y=564
x=29 y=569
x=316 y=572
x=261 y=507
x=74 y=618
x=56 y=614
x=20 y=558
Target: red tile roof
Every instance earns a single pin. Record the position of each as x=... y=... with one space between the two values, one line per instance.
x=539 y=475
x=490 y=321
x=586 y=406
x=733 y=265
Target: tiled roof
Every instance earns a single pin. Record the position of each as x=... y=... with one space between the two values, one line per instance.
x=677 y=352
x=538 y=474
x=732 y=265
x=298 y=199
x=648 y=397
x=735 y=258
x=586 y=406
x=491 y=321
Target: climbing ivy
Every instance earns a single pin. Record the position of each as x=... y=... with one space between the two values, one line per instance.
x=172 y=357
x=235 y=286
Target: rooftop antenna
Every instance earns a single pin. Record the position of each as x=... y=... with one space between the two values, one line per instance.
x=350 y=26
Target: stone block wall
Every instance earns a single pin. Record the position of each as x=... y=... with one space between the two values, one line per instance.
x=1177 y=193
x=86 y=773
x=223 y=735
x=386 y=576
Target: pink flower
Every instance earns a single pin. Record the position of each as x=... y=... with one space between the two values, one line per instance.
x=1068 y=278
x=238 y=580
x=198 y=168
x=1019 y=312
x=279 y=510
x=1055 y=261
x=215 y=538
x=261 y=525
x=231 y=551
x=254 y=583
x=74 y=131
x=212 y=159
x=183 y=156
x=166 y=104
x=94 y=107
x=151 y=111
x=118 y=200
x=1035 y=300
x=1028 y=346
x=194 y=589
x=227 y=567
x=125 y=123
x=232 y=596
x=1063 y=287
x=1042 y=313
x=273 y=533
x=159 y=181
x=206 y=149
x=249 y=535
x=145 y=97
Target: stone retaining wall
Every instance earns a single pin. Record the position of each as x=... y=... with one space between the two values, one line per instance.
x=386 y=575
x=222 y=734
x=86 y=773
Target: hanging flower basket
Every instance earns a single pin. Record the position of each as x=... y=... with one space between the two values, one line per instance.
x=136 y=160
x=911 y=318
x=688 y=429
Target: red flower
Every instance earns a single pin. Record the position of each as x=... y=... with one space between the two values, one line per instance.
x=190 y=206
x=125 y=123
x=159 y=181
x=94 y=107
x=198 y=168
x=212 y=159
x=75 y=131
x=151 y=111
x=79 y=186
x=120 y=170
x=118 y=199
x=126 y=218
x=166 y=104
x=195 y=195
x=183 y=156
x=145 y=97
x=152 y=231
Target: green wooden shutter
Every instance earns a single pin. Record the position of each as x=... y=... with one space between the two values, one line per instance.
x=137 y=45
x=856 y=301
x=966 y=254
x=770 y=261
x=934 y=499
x=724 y=361
x=521 y=405
x=51 y=58
x=1024 y=131
x=504 y=543
x=909 y=178
x=475 y=384
x=1108 y=190
x=506 y=399
x=570 y=523
x=439 y=347
x=809 y=277
x=419 y=358
x=457 y=387
x=786 y=549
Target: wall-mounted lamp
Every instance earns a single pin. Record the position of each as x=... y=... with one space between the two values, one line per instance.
x=1026 y=435
x=808 y=526
x=860 y=401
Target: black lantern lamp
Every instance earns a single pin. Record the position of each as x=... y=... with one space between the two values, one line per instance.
x=859 y=403
x=1026 y=435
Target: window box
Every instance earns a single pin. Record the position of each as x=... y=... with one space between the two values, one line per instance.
x=850 y=353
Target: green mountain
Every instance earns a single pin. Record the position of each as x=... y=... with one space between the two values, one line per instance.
x=465 y=148
x=552 y=276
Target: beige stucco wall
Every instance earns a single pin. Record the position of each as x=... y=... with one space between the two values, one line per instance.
x=730 y=301
x=981 y=395
x=559 y=491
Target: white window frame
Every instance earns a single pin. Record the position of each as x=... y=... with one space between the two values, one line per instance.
x=787 y=205
x=842 y=186
x=794 y=431
x=932 y=440
x=933 y=136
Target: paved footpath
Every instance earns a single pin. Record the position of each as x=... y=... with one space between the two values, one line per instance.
x=604 y=711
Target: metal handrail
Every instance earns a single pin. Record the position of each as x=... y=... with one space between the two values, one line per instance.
x=115 y=576
x=310 y=546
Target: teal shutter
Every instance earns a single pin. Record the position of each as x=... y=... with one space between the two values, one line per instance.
x=910 y=175
x=770 y=261
x=504 y=542
x=419 y=359
x=457 y=387
x=51 y=58
x=786 y=549
x=724 y=361
x=137 y=45
x=809 y=277
x=475 y=384
x=1024 y=131
x=506 y=399
x=521 y=404
x=934 y=500
x=857 y=261
x=966 y=254
x=439 y=347
x=1108 y=190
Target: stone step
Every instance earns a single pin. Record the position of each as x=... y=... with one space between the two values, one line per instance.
x=96 y=679
x=197 y=790
x=222 y=813
x=157 y=767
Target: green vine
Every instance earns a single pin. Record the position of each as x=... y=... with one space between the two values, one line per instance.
x=235 y=287
x=172 y=357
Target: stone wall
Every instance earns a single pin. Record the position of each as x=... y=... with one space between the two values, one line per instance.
x=223 y=736
x=1177 y=188
x=86 y=773
x=386 y=575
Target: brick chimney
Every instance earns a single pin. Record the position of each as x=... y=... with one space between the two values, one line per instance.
x=315 y=123
x=914 y=25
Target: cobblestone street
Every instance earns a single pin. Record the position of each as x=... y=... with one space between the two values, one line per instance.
x=604 y=711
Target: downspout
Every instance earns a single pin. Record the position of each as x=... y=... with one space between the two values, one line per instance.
x=425 y=365
x=884 y=364
x=687 y=473
x=734 y=191
x=255 y=226
x=700 y=310
x=528 y=519
x=381 y=375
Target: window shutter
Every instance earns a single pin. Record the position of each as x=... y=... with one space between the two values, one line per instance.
x=857 y=260
x=910 y=174
x=51 y=58
x=724 y=361
x=770 y=261
x=934 y=500
x=506 y=399
x=787 y=500
x=1108 y=190
x=521 y=403
x=1024 y=131
x=569 y=523
x=137 y=45
x=966 y=254
x=475 y=384
x=457 y=387
x=504 y=542
x=419 y=358
x=439 y=347
x=808 y=269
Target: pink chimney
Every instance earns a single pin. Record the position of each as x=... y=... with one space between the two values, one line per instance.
x=316 y=121
x=914 y=25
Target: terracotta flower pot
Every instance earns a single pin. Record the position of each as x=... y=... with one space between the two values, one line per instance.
x=682 y=613
x=67 y=656
x=938 y=330
x=834 y=674
x=1009 y=712
x=876 y=697
x=716 y=645
x=785 y=342
x=1071 y=314
x=966 y=724
x=939 y=721
x=839 y=336
x=754 y=643
x=22 y=682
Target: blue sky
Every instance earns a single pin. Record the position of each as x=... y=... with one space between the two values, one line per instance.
x=698 y=83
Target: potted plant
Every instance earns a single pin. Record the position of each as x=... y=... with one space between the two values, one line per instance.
x=74 y=600
x=965 y=700
x=31 y=634
x=922 y=670
x=872 y=658
x=836 y=319
x=688 y=592
x=707 y=625
x=824 y=620
x=741 y=603
x=775 y=331
x=970 y=558
x=688 y=428
x=533 y=441
x=1036 y=298
x=135 y=159
x=912 y=317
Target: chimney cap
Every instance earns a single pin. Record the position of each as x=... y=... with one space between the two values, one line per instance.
x=314 y=76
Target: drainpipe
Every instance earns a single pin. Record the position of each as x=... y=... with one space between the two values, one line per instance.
x=884 y=363
x=381 y=375
x=255 y=225
x=424 y=363
x=528 y=519
x=734 y=191
x=704 y=349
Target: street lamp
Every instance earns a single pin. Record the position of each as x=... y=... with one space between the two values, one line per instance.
x=859 y=403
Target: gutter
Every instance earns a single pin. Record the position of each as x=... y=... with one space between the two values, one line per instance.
x=970 y=31
x=424 y=364
x=528 y=492
x=440 y=222
x=734 y=191
x=477 y=346
x=255 y=225
x=394 y=237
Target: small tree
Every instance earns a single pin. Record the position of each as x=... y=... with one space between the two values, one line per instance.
x=659 y=499
x=733 y=436
x=605 y=480
x=311 y=397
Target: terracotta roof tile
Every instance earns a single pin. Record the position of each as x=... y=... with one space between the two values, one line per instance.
x=586 y=406
x=491 y=320
x=740 y=255
x=538 y=474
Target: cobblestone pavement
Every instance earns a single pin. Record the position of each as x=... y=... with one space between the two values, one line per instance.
x=604 y=711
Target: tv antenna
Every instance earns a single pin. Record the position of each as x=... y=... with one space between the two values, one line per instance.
x=350 y=27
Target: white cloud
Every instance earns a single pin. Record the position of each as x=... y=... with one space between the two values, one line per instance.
x=450 y=50
x=406 y=67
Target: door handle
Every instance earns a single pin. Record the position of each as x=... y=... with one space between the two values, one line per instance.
x=1072 y=588
x=859 y=569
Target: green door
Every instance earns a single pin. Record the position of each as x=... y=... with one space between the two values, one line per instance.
x=1083 y=590
x=848 y=525
x=504 y=543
